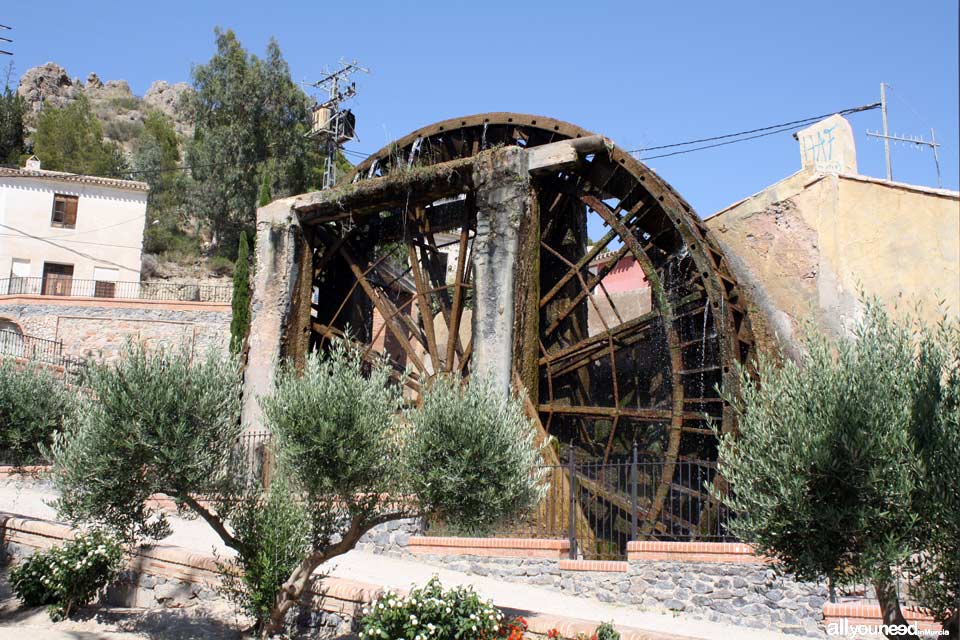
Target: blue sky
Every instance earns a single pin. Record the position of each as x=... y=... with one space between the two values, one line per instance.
x=642 y=73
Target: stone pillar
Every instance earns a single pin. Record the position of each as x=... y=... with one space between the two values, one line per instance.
x=502 y=184
x=280 y=304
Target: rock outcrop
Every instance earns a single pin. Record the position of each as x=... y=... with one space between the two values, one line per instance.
x=167 y=97
x=120 y=112
x=48 y=85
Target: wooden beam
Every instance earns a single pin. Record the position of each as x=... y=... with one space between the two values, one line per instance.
x=650 y=413
x=456 y=312
x=416 y=184
x=384 y=307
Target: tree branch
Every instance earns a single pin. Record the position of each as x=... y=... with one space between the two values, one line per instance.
x=211 y=519
x=292 y=590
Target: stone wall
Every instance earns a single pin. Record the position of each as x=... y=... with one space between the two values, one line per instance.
x=170 y=577
x=99 y=329
x=733 y=587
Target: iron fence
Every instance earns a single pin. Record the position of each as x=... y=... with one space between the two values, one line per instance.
x=71 y=287
x=860 y=592
x=17 y=345
x=599 y=507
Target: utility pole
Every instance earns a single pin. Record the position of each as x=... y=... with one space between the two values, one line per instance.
x=886 y=140
x=332 y=125
x=917 y=141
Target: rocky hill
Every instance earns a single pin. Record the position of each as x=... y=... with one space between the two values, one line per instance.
x=120 y=112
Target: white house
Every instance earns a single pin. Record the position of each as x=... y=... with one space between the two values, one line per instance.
x=69 y=234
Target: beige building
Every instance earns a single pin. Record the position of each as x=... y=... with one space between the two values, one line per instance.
x=806 y=246
x=69 y=235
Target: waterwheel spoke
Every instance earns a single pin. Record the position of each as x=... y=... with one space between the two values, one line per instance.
x=385 y=307
x=456 y=313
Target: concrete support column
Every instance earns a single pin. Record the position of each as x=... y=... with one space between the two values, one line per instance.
x=502 y=184
x=280 y=304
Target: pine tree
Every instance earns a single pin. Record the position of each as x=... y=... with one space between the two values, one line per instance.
x=71 y=139
x=240 y=324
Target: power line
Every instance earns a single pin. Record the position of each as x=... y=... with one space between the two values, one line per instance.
x=46 y=238
x=768 y=130
x=771 y=129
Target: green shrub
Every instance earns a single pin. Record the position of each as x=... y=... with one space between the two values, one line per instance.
x=274 y=530
x=122 y=130
x=431 y=612
x=128 y=103
x=166 y=240
x=220 y=266
x=472 y=456
x=33 y=404
x=68 y=576
x=606 y=632
x=29 y=580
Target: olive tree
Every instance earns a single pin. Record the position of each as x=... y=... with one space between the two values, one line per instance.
x=347 y=457
x=155 y=422
x=34 y=404
x=845 y=461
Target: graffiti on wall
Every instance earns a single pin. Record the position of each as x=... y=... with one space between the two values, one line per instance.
x=828 y=146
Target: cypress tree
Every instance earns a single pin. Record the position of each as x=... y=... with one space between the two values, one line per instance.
x=240 y=323
x=265 y=196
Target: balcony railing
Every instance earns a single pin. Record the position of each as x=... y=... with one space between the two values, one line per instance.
x=71 y=287
x=17 y=345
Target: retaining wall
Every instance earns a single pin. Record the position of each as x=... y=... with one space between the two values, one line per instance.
x=98 y=327
x=163 y=576
x=721 y=582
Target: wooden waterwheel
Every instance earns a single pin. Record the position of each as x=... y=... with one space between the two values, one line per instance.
x=605 y=366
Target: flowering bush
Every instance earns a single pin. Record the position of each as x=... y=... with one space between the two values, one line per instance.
x=429 y=612
x=67 y=576
x=604 y=632
x=514 y=628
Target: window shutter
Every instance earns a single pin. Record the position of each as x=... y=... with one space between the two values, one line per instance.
x=70 y=216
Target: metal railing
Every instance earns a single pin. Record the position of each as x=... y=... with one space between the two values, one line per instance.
x=169 y=291
x=598 y=506
x=863 y=592
x=17 y=345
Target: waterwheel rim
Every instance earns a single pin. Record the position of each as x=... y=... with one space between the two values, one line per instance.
x=700 y=316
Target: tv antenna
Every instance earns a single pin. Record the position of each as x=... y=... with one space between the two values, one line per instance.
x=332 y=125
x=917 y=141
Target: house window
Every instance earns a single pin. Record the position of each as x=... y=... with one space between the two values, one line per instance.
x=64 y=211
x=57 y=279
x=105 y=282
x=19 y=277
